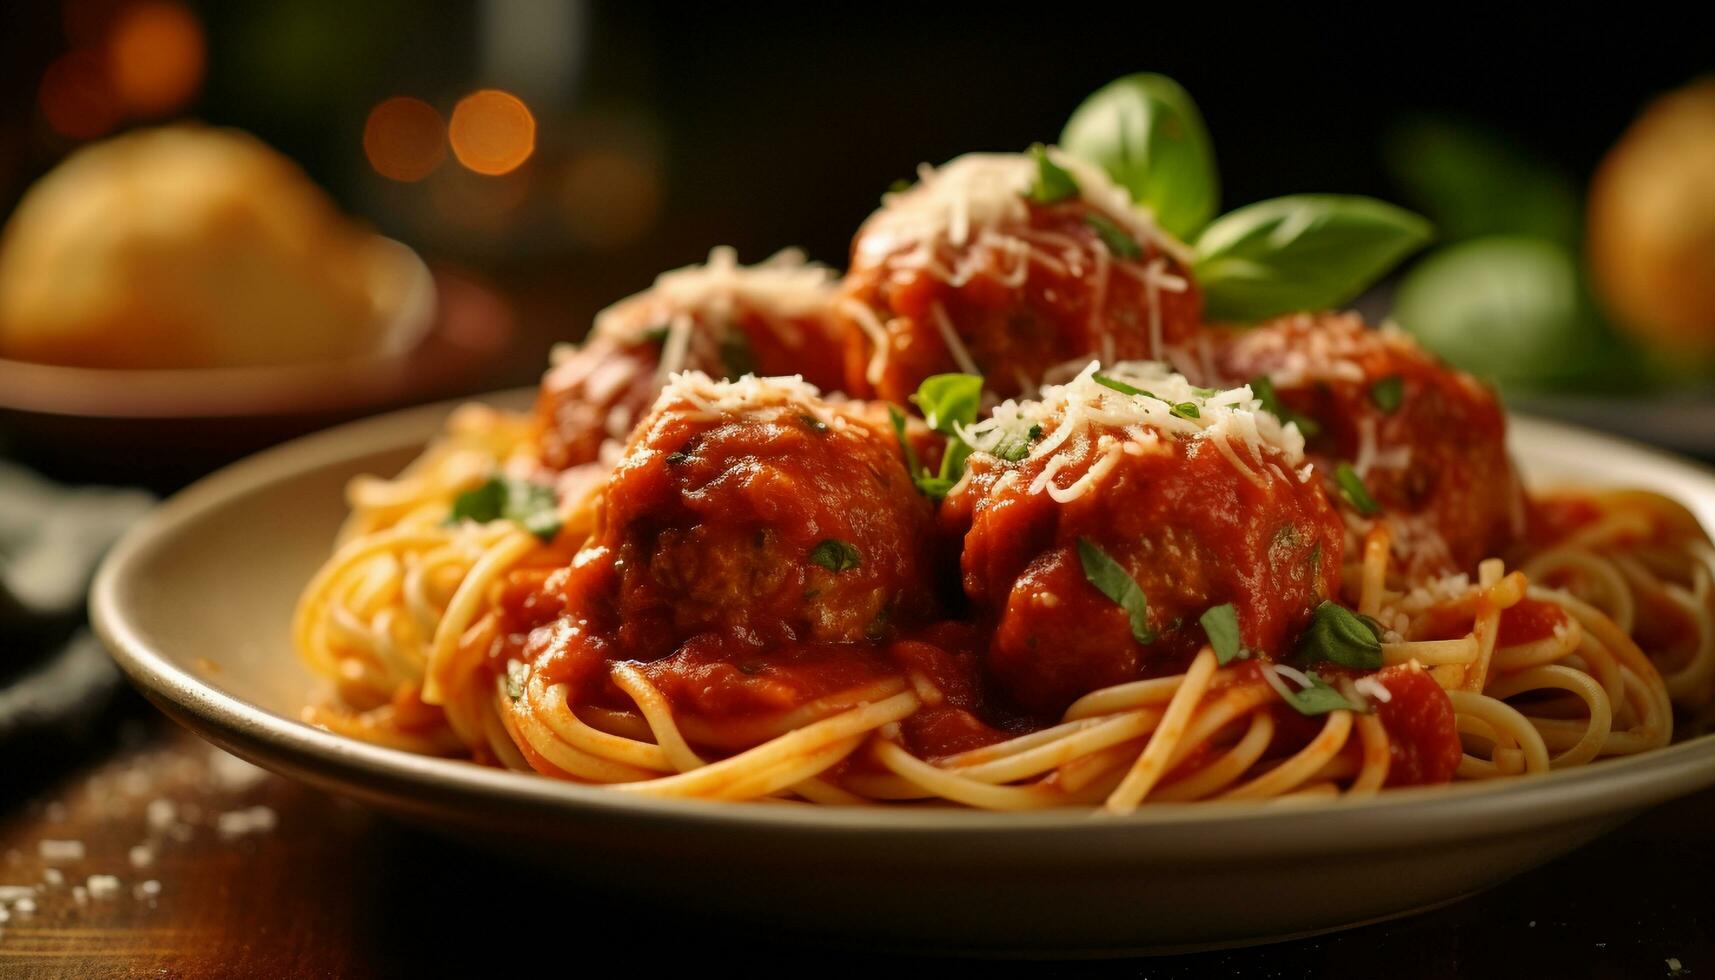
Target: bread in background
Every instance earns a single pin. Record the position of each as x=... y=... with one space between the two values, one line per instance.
x=188 y=247
x=1652 y=224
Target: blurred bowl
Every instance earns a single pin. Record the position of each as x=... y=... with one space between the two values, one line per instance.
x=162 y=428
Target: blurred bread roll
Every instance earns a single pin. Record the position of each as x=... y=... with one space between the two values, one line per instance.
x=1652 y=224
x=188 y=246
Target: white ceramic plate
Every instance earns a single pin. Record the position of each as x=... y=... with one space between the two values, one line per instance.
x=195 y=605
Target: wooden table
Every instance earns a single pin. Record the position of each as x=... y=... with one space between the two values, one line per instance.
x=313 y=886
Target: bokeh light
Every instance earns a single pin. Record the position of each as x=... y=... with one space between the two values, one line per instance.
x=492 y=132
x=404 y=139
x=76 y=97
x=156 y=56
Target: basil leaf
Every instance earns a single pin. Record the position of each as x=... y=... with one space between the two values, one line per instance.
x=1388 y=393
x=1117 y=584
x=532 y=506
x=1554 y=337
x=1117 y=239
x=1352 y=488
x=1187 y=410
x=1303 y=252
x=1146 y=132
x=1263 y=389
x=736 y=356
x=1319 y=698
x=1052 y=183
x=1473 y=181
x=949 y=398
x=657 y=335
x=1338 y=635
x=835 y=555
x=481 y=504
x=1221 y=625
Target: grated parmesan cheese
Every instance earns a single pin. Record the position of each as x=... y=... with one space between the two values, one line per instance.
x=954 y=204
x=710 y=400
x=697 y=304
x=1233 y=417
x=1373 y=689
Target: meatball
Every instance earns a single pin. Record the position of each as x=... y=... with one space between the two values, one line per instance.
x=721 y=318
x=967 y=271
x=1428 y=443
x=758 y=511
x=1199 y=497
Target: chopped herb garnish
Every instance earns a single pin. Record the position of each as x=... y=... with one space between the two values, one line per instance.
x=1338 y=635
x=1014 y=445
x=1388 y=393
x=1263 y=389
x=517 y=675
x=813 y=423
x=1352 y=488
x=900 y=185
x=531 y=505
x=1052 y=183
x=657 y=335
x=677 y=459
x=1319 y=698
x=736 y=356
x=1221 y=625
x=1117 y=584
x=1117 y=239
x=1119 y=386
x=835 y=555
x=1185 y=410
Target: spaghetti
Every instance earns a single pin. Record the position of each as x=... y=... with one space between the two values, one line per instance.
x=1296 y=566
x=1541 y=665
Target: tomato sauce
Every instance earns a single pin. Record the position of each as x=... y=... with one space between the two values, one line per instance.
x=1528 y=621
x=749 y=560
x=1433 y=440
x=1423 y=741
x=1189 y=529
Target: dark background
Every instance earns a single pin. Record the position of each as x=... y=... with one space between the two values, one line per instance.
x=764 y=126
x=774 y=125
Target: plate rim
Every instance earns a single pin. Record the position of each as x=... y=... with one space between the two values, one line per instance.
x=1216 y=830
